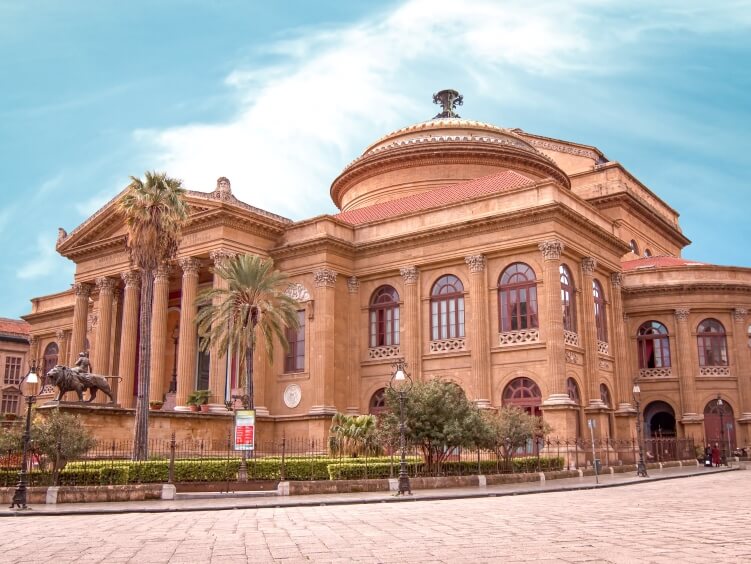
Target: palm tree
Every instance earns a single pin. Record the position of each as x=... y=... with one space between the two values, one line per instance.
x=155 y=211
x=254 y=299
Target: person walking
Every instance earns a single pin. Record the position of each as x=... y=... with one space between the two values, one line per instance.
x=716 y=455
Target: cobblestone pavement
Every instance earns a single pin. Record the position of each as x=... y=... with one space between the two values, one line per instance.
x=701 y=519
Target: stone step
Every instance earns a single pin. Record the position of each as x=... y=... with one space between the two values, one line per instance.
x=223 y=495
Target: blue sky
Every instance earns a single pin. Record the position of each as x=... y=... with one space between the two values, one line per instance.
x=280 y=96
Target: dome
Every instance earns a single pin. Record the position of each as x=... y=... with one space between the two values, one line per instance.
x=444 y=150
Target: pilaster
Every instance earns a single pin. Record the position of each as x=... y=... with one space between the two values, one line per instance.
x=412 y=329
x=80 y=317
x=322 y=370
x=686 y=367
x=742 y=370
x=589 y=330
x=480 y=348
x=353 y=348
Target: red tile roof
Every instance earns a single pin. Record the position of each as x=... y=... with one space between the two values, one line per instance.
x=491 y=184
x=659 y=262
x=14 y=327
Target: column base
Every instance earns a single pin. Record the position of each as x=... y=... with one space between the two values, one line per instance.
x=323 y=410
x=745 y=418
x=262 y=411
x=352 y=411
x=483 y=404
x=625 y=409
x=558 y=400
x=692 y=418
x=596 y=406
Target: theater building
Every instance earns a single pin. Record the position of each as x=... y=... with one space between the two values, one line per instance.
x=531 y=271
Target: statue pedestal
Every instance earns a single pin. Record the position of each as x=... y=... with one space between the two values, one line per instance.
x=170 y=401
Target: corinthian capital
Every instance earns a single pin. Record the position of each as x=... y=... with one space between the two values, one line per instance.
x=681 y=313
x=476 y=263
x=740 y=313
x=105 y=285
x=189 y=265
x=616 y=278
x=162 y=272
x=324 y=278
x=82 y=289
x=551 y=249
x=353 y=285
x=409 y=274
x=588 y=265
x=221 y=256
x=131 y=278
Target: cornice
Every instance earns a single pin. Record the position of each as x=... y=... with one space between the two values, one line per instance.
x=681 y=288
x=48 y=315
x=257 y=225
x=345 y=249
x=96 y=248
x=446 y=152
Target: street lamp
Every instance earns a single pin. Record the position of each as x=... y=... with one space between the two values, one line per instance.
x=721 y=410
x=401 y=383
x=173 y=381
x=30 y=381
x=641 y=468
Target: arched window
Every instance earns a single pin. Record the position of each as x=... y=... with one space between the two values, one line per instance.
x=605 y=396
x=567 y=299
x=713 y=348
x=378 y=402
x=51 y=354
x=647 y=253
x=601 y=321
x=524 y=394
x=384 y=317
x=572 y=389
x=517 y=298
x=447 y=308
x=634 y=247
x=653 y=345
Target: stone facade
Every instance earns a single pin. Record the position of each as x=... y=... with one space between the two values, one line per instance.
x=493 y=218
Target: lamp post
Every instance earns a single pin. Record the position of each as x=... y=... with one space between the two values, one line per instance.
x=19 y=496
x=401 y=383
x=641 y=468
x=173 y=381
x=721 y=411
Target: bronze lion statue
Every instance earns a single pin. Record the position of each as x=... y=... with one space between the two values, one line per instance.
x=68 y=380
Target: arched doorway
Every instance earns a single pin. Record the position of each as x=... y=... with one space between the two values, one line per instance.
x=659 y=420
x=719 y=424
x=524 y=394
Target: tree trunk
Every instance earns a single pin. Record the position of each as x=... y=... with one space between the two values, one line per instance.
x=141 y=439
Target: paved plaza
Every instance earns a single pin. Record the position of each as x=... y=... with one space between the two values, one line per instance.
x=699 y=519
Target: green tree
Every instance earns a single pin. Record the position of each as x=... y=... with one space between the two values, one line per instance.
x=155 y=212
x=438 y=417
x=254 y=300
x=353 y=435
x=59 y=437
x=510 y=429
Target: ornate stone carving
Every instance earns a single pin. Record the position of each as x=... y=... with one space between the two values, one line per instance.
x=603 y=347
x=33 y=340
x=551 y=250
x=59 y=335
x=448 y=345
x=740 y=313
x=588 y=265
x=324 y=278
x=220 y=256
x=292 y=395
x=162 y=272
x=681 y=313
x=297 y=292
x=448 y=100
x=409 y=274
x=61 y=235
x=605 y=365
x=131 y=278
x=655 y=372
x=571 y=338
x=573 y=358
x=105 y=284
x=376 y=353
x=82 y=289
x=616 y=278
x=91 y=322
x=714 y=371
x=223 y=190
x=476 y=263
x=189 y=265
x=560 y=148
x=353 y=285
x=522 y=337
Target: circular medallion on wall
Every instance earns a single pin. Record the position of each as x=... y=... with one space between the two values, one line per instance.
x=292 y=395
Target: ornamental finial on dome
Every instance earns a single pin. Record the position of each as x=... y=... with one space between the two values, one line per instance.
x=448 y=100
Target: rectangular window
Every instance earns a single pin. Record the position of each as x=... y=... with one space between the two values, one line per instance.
x=9 y=403
x=294 y=359
x=12 y=370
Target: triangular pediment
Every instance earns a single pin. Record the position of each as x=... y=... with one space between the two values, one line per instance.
x=106 y=227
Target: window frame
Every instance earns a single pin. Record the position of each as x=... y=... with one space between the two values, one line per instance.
x=601 y=316
x=447 y=314
x=568 y=298
x=517 y=300
x=294 y=356
x=712 y=343
x=649 y=334
x=383 y=317
x=12 y=374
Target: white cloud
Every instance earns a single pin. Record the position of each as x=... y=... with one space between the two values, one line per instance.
x=298 y=122
x=45 y=261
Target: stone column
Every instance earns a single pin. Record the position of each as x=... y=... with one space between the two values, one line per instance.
x=412 y=328
x=322 y=347
x=687 y=372
x=218 y=367
x=63 y=341
x=591 y=365
x=742 y=372
x=353 y=347
x=128 y=340
x=80 y=317
x=553 y=329
x=100 y=361
x=186 y=353
x=159 y=305
x=479 y=330
x=621 y=345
